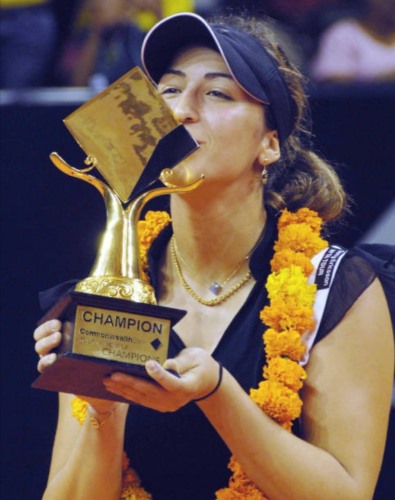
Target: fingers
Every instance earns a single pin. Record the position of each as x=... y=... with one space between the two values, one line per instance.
x=172 y=365
x=132 y=388
x=46 y=344
x=54 y=325
x=172 y=382
x=46 y=361
x=145 y=392
x=47 y=336
x=198 y=372
x=195 y=375
x=186 y=360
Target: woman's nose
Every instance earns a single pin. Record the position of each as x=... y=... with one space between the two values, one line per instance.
x=185 y=109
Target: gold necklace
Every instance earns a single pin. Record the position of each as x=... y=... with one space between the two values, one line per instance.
x=192 y=293
x=215 y=287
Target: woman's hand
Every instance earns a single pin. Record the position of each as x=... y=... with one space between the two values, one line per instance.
x=196 y=375
x=47 y=336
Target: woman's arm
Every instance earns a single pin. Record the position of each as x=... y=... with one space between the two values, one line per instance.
x=87 y=461
x=345 y=414
x=346 y=398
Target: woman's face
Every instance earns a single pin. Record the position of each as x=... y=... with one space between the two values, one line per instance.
x=228 y=124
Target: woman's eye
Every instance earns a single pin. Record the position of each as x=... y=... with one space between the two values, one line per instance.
x=220 y=95
x=168 y=90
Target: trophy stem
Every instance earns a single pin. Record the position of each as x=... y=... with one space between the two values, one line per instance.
x=117 y=271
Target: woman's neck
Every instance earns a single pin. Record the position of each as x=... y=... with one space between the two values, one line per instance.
x=214 y=236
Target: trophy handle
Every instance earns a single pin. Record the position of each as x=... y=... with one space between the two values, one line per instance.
x=115 y=234
x=66 y=168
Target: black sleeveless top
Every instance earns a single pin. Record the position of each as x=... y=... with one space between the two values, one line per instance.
x=179 y=455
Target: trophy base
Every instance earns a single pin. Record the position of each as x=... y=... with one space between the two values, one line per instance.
x=83 y=376
x=102 y=335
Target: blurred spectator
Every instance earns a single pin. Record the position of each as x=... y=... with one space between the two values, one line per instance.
x=358 y=49
x=297 y=24
x=106 y=37
x=28 y=35
x=103 y=44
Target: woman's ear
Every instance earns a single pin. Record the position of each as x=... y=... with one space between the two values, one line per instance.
x=269 y=151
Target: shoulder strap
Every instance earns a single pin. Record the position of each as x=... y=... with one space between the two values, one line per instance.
x=325 y=265
x=382 y=258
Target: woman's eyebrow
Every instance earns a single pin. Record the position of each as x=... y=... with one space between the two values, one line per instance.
x=172 y=71
x=217 y=74
x=207 y=76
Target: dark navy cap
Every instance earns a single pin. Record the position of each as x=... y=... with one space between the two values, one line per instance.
x=251 y=66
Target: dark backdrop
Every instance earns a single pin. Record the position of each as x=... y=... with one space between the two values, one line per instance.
x=51 y=222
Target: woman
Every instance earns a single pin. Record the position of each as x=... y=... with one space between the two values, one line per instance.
x=243 y=103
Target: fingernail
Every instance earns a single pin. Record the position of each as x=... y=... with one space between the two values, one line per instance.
x=50 y=358
x=56 y=336
x=152 y=366
x=116 y=377
x=54 y=325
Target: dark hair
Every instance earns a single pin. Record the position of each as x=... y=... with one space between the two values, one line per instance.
x=300 y=178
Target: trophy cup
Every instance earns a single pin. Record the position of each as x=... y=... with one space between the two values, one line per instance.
x=111 y=321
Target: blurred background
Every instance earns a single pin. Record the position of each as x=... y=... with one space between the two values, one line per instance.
x=57 y=54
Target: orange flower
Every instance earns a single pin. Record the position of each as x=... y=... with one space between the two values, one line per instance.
x=303 y=215
x=290 y=285
x=300 y=238
x=282 y=316
x=148 y=229
x=240 y=486
x=286 y=371
x=237 y=493
x=135 y=493
x=129 y=475
x=287 y=425
x=285 y=343
x=79 y=409
x=287 y=258
x=277 y=400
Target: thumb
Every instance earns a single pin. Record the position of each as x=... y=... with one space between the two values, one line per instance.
x=171 y=365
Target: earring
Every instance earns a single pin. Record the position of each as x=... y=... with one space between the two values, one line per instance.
x=265 y=174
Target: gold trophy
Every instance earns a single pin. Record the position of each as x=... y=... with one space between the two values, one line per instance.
x=111 y=321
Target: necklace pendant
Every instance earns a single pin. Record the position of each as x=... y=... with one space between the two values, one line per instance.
x=215 y=288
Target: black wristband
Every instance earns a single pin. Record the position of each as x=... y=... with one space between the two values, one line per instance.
x=221 y=370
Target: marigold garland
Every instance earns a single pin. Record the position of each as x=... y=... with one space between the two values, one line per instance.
x=148 y=229
x=288 y=315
